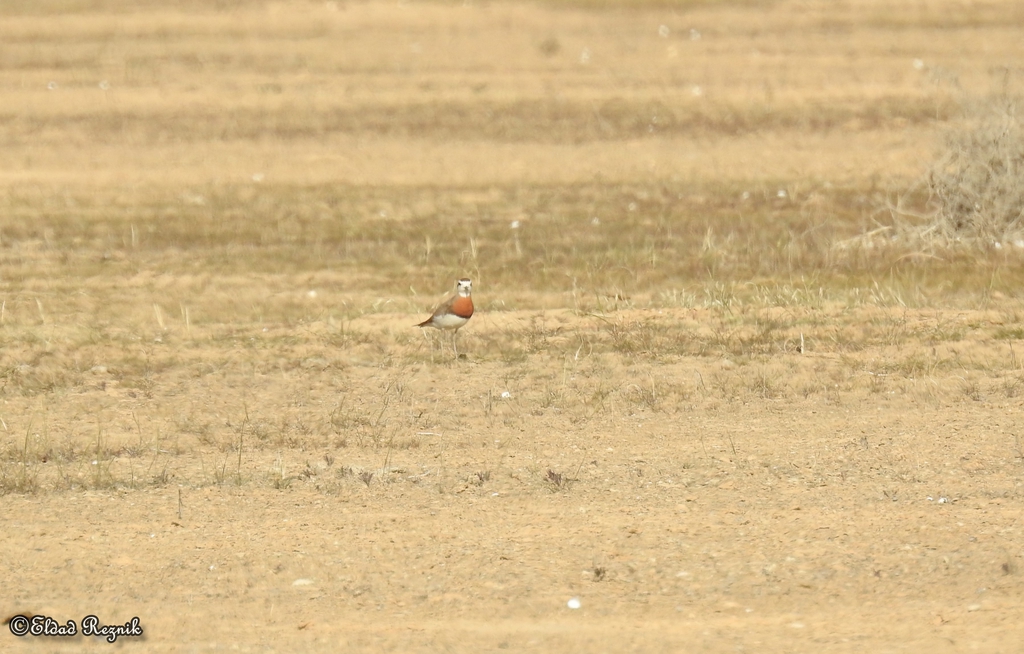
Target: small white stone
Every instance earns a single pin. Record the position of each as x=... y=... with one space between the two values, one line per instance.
x=302 y=582
x=574 y=603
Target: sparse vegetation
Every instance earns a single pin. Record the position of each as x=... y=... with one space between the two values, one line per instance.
x=712 y=368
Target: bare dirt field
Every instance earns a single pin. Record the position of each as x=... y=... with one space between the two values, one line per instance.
x=696 y=411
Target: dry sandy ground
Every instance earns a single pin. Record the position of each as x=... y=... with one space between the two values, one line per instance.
x=801 y=502
x=705 y=465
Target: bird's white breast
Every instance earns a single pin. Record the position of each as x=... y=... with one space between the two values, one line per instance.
x=449 y=321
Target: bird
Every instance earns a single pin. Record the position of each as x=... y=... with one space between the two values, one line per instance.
x=453 y=313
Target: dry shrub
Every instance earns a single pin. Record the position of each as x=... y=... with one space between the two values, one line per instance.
x=977 y=187
x=971 y=200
